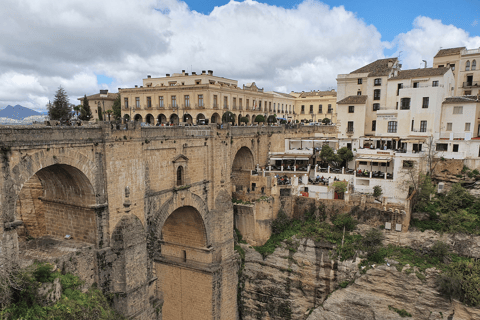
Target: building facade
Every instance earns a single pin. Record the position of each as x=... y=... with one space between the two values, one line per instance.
x=100 y=103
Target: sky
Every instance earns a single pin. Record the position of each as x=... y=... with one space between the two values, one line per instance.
x=87 y=45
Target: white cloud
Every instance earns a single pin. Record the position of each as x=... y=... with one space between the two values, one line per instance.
x=427 y=37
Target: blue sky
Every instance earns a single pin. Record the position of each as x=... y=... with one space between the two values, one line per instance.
x=88 y=45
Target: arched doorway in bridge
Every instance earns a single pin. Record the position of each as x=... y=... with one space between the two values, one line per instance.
x=56 y=203
x=138 y=118
x=161 y=118
x=242 y=165
x=150 y=119
x=215 y=118
x=180 y=277
x=187 y=118
x=174 y=118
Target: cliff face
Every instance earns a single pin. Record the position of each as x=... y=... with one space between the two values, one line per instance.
x=290 y=282
x=380 y=291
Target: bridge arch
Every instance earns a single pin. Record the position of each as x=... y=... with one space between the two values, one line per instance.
x=243 y=163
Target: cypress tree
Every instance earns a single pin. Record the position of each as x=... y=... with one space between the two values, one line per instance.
x=60 y=109
x=85 y=112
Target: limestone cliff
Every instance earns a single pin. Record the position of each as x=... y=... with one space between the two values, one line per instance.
x=381 y=290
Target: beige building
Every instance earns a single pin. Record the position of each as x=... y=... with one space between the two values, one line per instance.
x=199 y=98
x=100 y=102
x=314 y=106
x=465 y=66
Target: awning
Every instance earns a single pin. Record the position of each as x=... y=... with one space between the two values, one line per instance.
x=413 y=141
x=289 y=157
x=373 y=159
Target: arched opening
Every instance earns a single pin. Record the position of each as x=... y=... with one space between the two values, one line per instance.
x=239 y=119
x=234 y=119
x=467 y=66
x=180 y=175
x=138 y=118
x=215 y=118
x=161 y=119
x=185 y=227
x=242 y=165
x=56 y=204
x=474 y=65
x=201 y=119
x=150 y=119
x=174 y=119
x=126 y=118
x=187 y=118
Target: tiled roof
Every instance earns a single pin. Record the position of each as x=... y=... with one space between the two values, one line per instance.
x=423 y=72
x=318 y=93
x=110 y=96
x=353 y=100
x=462 y=99
x=449 y=52
x=377 y=68
x=283 y=94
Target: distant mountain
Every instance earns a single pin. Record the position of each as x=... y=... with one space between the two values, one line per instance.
x=17 y=112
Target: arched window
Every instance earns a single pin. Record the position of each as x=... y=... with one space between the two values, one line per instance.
x=474 y=64
x=180 y=176
x=467 y=66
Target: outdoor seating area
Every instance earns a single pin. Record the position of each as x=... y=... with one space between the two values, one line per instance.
x=283 y=180
x=373 y=174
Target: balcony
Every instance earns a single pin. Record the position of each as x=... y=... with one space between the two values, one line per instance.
x=148 y=107
x=350 y=131
x=215 y=106
x=160 y=107
x=173 y=106
x=186 y=106
x=199 y=106
x=471 y=84
x=125 y=107
x=225 y=107
x=302 y=112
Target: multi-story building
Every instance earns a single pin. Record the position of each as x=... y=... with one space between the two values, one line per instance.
x=465 y=66
x=316 y=105
x=100 y=103
x=200 y=98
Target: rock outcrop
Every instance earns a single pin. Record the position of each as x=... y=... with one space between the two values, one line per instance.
x=292 y=281
x=383 y=290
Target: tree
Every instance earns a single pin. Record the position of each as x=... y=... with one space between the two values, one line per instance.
x=85 y=111
x=244 y=120
x=259 y=118
x=345 y=154
x=326 y=121
x=109 y=113
x=271 y=119
x=100 y=113
x=330 y=157
x=60 y=109
x=228 y=117
x=117 y=108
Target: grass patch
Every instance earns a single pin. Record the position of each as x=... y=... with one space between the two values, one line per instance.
x=402 y=312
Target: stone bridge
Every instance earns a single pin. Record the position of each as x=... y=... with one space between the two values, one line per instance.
x=152 y=205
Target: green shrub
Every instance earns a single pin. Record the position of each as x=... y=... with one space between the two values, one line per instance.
x=377 y=191
x=345 y=220
x=461 y=281
x=440 y=250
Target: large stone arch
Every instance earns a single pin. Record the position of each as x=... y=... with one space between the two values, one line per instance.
x=243 y=163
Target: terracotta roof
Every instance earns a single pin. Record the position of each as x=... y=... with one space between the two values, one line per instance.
x=448 y=52
x=462 y=99
x=318 y=93
x=377 y=68
x=353 y=100
x=423 y=72
x=110 y=96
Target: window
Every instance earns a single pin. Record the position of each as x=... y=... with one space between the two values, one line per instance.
x=467 y=92
x=260 y=105
x=376 y=94
x=359 y=81
x=187 y=100
x=467 y=66
x=351 y=109
x=311 y=108
x=407 y=163
x=425 y=102
x=423 y=126
x=274 y=107
x=416 y=84
x=200 y=100
x=149 y=102
x=376 y=106
x=160 y=102
x=405 y=104
x=399 y=86
x=180 y=176
x=374 y=125
x=320 y=107
x=234 y=102
x=359 y=93
x=125 y=102
x=330 y=109
x=455 y=148
x=248 y=103
x=467 y=126
x=474 y=65
x=303 y=109
x=442 y=147
x=225 y=102
x=350 y=126
x=457 y=110
x=377 y=82
x=240 y=102
x=270 y=106
x=137 y=102
x=215 y=102
x=452 y=66
x=392 y=126
x=413 y=125
x=435 y=83
x=441 y=66
x=174 y=101
x=449 y=126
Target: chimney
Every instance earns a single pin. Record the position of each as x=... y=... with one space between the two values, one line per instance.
x=203 y=72
x=186 y=73
x=183 y=72
x=149 y=76
x=103 y=91
x=390 y=63
x=136 y=86
x=167 y=75
x=210 y=72
x=194 y=73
